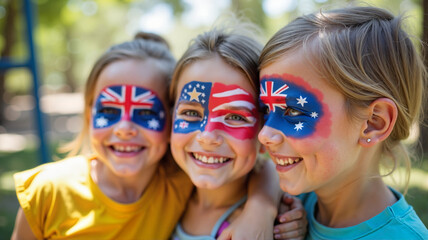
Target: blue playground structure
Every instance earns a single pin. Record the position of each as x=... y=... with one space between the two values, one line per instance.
x=31 y=64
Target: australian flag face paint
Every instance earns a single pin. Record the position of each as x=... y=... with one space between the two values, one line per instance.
x=223 y=107
x=293 y=107
x=131 y=103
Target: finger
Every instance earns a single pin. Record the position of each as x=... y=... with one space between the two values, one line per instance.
x=225 y=235
x=287 y=199
x=288 y=227
x=295 y=234
x=292 y=215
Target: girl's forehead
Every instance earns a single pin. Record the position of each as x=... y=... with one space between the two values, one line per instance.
x=144 y=74
x=213 y=70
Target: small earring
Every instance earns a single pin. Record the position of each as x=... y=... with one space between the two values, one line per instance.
x=369 y=140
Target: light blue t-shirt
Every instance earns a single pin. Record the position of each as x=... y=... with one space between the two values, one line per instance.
x=180 y=234
x=398 y=221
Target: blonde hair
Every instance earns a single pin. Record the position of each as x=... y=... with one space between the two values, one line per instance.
x=144 y=46
x=366 y=55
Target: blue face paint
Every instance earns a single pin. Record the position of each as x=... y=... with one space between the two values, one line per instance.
x=130 y=103
x=291 y=106
x=196 y=92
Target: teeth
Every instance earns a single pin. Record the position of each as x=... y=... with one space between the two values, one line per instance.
x=210 y=159
x=121 y=148
x=287 y=161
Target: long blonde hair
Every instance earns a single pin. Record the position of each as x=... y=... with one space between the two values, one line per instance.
x=365 y=54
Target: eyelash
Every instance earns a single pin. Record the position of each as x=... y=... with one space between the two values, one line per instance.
x=241 y=118
x=109 y=110
x=145 y=112
x=292 y=112
x=190 y=115
x=288 y=111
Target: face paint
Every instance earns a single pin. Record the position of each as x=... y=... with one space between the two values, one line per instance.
x=225 y=107
x=131 y=103
x=294 y=107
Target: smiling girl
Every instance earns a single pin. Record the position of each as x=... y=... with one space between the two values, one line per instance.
x=341 y=90
x=214 y=134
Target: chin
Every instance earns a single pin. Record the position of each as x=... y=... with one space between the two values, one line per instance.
x=206 y=184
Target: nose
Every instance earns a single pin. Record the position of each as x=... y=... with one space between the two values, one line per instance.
x=125 y=130
x=209 y=139
x=269 y=136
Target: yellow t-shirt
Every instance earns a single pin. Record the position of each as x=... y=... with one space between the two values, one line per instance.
x=60 y=201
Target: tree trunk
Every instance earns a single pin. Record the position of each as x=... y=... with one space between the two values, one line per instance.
x=424 y=126
x=9 y=33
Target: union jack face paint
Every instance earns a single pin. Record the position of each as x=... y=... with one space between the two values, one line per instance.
x=131 y=103
x=225 y=107
x=293 y=107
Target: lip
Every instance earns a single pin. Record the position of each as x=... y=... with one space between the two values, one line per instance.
x=211 y=161
x=285 y=163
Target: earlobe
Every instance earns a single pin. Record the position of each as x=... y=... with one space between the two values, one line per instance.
x=380 y=123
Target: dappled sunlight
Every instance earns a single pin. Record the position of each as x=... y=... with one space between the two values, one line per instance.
x=12 y=142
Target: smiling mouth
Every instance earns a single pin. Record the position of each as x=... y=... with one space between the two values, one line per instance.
x=209 y=159
x=286 y=161
x=126 y=149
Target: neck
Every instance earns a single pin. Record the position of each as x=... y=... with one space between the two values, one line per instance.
x=120 y=189
x=367 y=197
x=222 y=197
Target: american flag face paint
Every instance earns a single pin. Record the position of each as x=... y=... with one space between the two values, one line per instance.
x=223 y=107
x=294 y=107
x=131 y=103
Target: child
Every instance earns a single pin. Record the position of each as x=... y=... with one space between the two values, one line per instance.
x=214 y=131
x=127 y=188
x=341 y=90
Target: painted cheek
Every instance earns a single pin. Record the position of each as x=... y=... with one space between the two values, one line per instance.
x=296 y=109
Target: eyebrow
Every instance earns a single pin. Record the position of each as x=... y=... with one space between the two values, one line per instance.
x=189 y=103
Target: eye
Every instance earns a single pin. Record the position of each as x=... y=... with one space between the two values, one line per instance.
x=109 y=110
x=292 y=112
x=145 y=112
x=191 y=113
x=235 y=117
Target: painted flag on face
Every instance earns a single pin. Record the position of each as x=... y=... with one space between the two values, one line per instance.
x=226 y=107
x=294 y=107
x=231 y=101
x=196 y=93
x=130 y=103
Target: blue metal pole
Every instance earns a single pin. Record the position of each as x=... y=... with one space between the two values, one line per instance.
x=32 y=64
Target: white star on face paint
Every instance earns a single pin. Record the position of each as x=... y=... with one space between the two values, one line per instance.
x=298 y=126
x=184 y=124
x=154 y=124
x=314 y=114
x=301 y=101
x=162 y=114
x=101 y=122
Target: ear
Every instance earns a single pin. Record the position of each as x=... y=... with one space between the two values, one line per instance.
x=382 y=115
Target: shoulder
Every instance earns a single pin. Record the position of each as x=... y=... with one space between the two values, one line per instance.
x=50 y=174
x=403 y=222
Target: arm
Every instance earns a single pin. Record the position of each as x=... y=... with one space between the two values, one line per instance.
x=261 y=208
x=292 y=222
x=22 y=229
